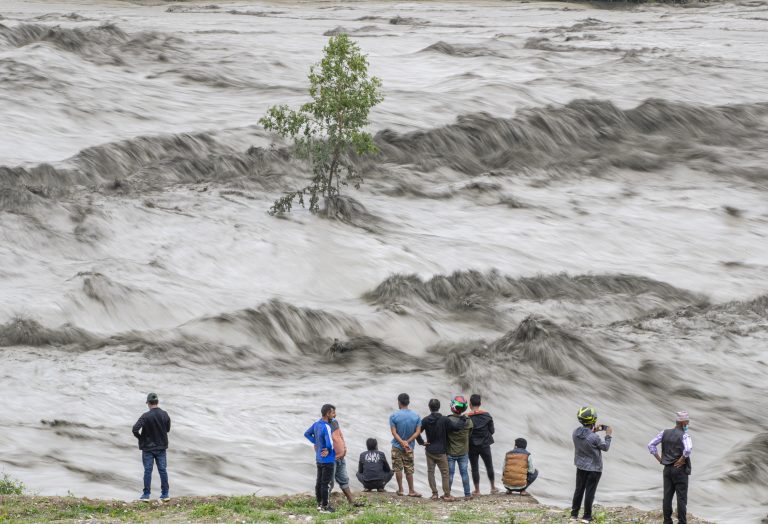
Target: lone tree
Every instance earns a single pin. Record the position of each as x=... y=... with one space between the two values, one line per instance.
x=327 y=129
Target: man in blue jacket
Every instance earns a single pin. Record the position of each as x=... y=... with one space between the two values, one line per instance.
x=319 y=434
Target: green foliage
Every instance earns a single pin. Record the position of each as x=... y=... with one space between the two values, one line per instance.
x=10 y=486
x=463 y=516
x=207 y=511
x=327 y=129
x=508 y=518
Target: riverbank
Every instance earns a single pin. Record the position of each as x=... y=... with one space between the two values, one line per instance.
x=380 y=508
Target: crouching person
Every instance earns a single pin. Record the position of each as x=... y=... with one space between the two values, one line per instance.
x=373 y=470
x=519 y=472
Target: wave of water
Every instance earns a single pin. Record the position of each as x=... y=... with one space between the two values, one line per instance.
x=568 y=208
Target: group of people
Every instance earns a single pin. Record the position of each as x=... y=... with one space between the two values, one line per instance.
x=464 y=437
x=675 y=456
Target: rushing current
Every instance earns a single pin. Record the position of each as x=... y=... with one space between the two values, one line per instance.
x=569 y=207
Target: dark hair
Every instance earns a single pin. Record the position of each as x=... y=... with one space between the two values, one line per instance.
x=404 y=399
x=153 y=402
x=371 y=444
x=434 y=405
x=521 y=443
x=327 y=408
x=474 y=400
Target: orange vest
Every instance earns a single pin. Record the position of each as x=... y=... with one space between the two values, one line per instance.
x=515 y=470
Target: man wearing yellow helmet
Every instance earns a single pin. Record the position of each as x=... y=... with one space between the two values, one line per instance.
x=588 y=459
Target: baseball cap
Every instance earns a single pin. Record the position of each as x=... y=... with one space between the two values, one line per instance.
x=152 y=397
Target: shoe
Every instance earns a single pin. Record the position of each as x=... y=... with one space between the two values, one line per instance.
x=448 y=498
x=574 y=518
x=327 y=509
x=467 y=497
x=381 y=490
x=587 y=521
x=165 y=498
x=144 y=497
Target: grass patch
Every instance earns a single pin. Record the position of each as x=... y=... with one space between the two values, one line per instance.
x=391 y=514
x=462 y=515
x=11 y=486
x=207 y=511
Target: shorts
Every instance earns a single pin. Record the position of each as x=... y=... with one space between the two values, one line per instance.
x=402 y=460
x=340 y=474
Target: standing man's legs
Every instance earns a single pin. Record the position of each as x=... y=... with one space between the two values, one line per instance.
x=161 y=457
x=431 y=463
x=669 y=492
x=463 y=469
x=451 y=470
x=148 y=460
x=474 y=463
x=325 y=475
x=681 y=492
x=397 y=467
x=593 y=478
x=318 y=494
x=485 y=454
x=342 y=479
x=408 y=467
x=578 y=494
x=442 y=465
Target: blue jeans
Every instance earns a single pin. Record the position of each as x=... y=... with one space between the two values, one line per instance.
x=149 y=458
x=463 y=461
x=340 y=474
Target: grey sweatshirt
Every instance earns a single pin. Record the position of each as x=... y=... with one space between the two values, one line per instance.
x=589 y=447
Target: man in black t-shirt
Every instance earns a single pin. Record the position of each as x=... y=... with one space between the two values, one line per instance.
x=152 y=432
x=373 y=470
x=480 y=443
x=436 y=427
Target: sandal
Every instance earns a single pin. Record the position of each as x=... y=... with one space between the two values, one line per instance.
x=414 y=495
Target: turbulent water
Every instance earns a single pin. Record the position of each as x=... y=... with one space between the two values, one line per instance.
x=569 y=207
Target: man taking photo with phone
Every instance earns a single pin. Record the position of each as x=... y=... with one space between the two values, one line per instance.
x=588 y=459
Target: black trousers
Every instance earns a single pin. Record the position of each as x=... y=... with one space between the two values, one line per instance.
x=474 y=455
x=675 y=483
x=375 y=484
x=586 y=486
x=324 y=476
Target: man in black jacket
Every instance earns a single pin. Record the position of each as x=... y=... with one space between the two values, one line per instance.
x=373 y=470
x=152 y=432
x=436 y=427
x=480 y=443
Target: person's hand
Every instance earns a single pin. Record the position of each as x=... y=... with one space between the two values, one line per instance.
x=658 y=458
x=679 y=463
x=406 y=447
x=324 y=453
x=608 y=431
